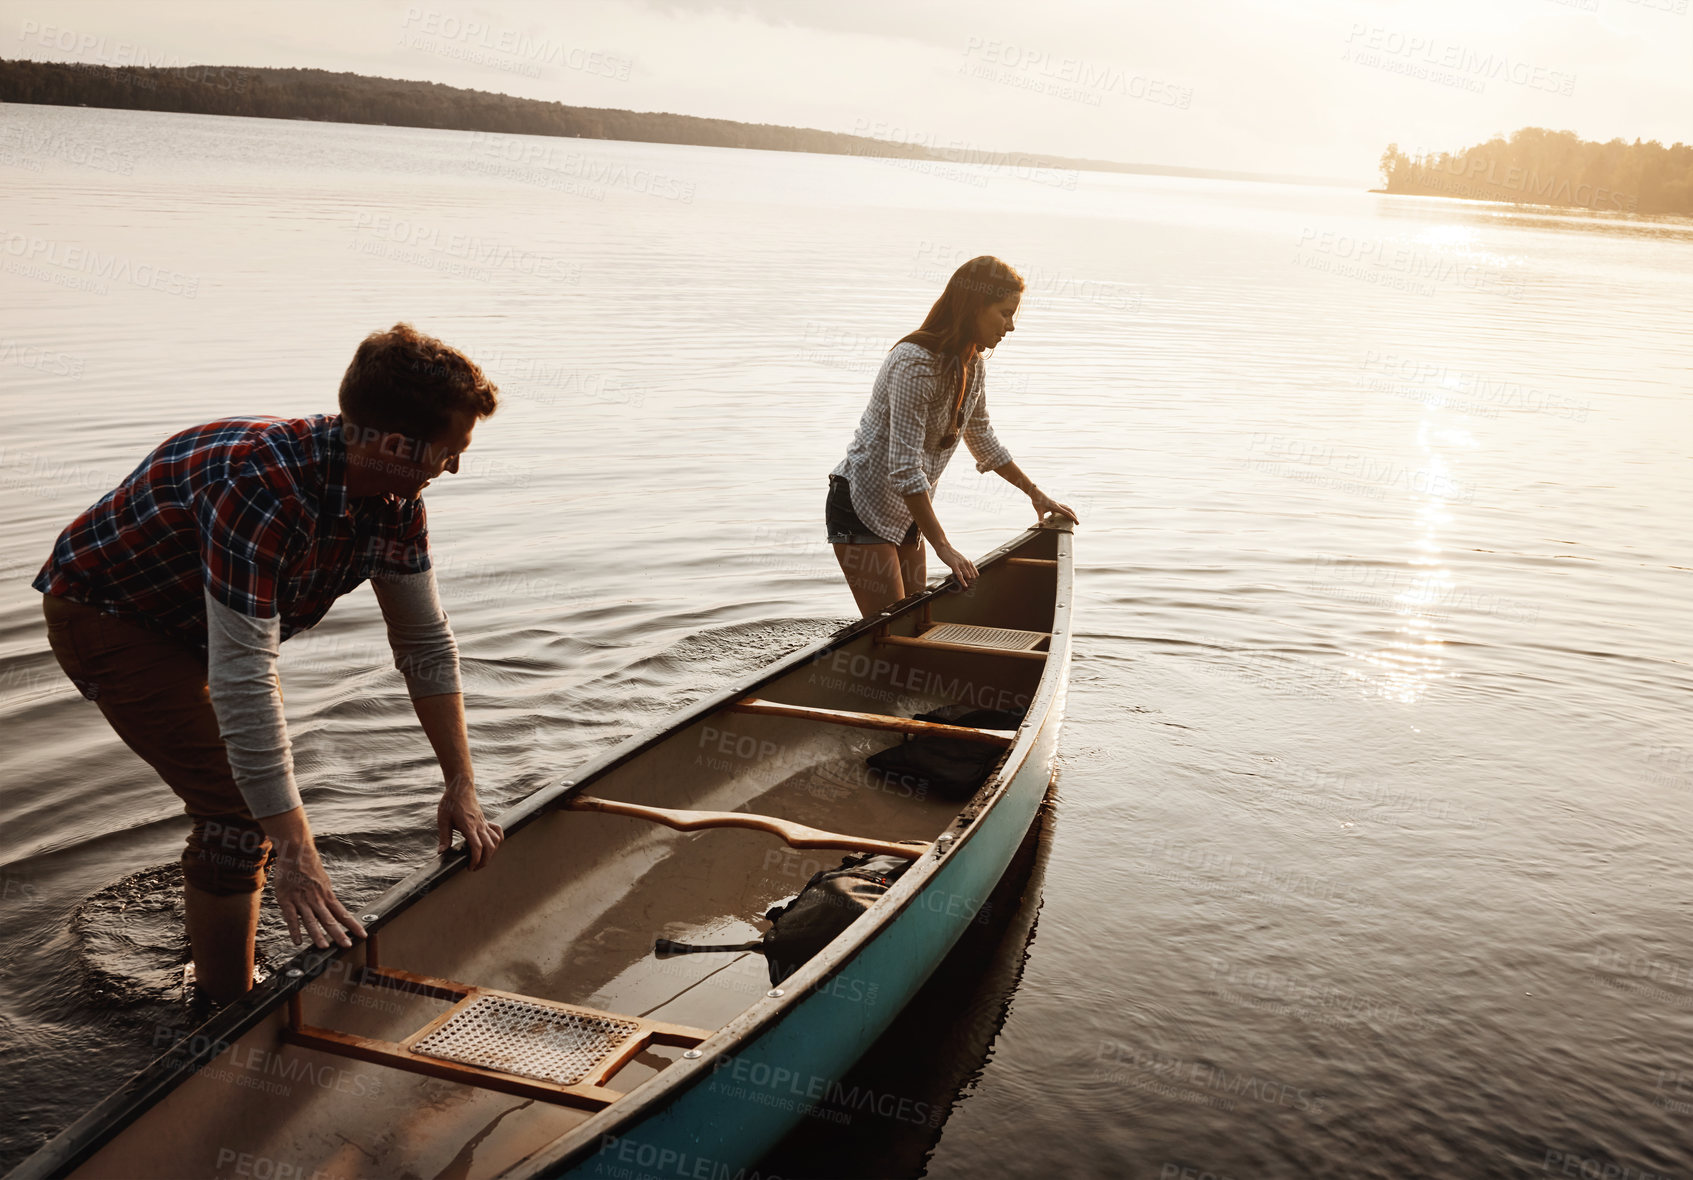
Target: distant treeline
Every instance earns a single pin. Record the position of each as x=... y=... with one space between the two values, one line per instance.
x=356 y=98
x=1540 y=167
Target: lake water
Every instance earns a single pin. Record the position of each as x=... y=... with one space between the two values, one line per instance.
x=1369 y=852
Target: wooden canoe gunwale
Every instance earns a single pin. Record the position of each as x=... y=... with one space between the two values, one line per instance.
x=201 y=1045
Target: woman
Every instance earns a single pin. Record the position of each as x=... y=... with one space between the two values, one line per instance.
x=928 y=395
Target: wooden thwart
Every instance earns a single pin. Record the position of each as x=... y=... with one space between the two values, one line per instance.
x=992 y=737
x=796 y=834
x=589 y=1093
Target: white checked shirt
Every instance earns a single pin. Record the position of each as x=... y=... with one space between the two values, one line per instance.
x=897 y=450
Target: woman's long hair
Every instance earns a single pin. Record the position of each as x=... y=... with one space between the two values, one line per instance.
x=979 y=283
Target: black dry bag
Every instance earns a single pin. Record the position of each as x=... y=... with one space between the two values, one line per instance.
x=828 y=904
x=948 y=768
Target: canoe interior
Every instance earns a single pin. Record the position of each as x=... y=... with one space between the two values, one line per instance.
x=569 y=909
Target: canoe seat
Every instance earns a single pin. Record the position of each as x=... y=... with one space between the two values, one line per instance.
x=972 y=635
x=548 y=1041
x=496 y=1040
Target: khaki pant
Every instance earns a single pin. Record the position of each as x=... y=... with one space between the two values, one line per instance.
x=152 y=690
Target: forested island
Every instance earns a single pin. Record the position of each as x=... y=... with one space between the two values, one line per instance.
x=1540 y=167
x=357 y=98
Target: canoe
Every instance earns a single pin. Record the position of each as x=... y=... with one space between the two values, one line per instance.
x=515 y=1022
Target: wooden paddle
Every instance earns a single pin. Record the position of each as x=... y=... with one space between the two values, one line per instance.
x=795 y=834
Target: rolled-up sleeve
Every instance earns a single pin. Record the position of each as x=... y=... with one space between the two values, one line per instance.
x=978 y=434
x=424 y=649
x=911 y=384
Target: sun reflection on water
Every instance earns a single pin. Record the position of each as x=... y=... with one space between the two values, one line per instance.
x=1405 y=667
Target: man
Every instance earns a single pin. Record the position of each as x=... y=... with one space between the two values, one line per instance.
x=167 y=600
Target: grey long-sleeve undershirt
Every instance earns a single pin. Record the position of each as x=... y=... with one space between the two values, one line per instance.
x=241 y=654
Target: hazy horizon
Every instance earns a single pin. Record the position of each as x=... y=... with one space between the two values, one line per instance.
x=1317 y=93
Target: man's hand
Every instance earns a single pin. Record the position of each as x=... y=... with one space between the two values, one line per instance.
x=303 y=892
x=1045 y=504
x=460 y=812
x=443 y=720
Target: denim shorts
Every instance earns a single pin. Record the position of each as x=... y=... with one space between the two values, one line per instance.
x=843 y=524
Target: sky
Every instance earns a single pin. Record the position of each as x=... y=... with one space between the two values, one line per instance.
x=1307 y=87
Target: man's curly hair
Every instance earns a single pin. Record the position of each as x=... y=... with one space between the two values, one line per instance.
x=405 y=381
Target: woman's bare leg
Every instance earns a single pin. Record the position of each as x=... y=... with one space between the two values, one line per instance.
x=873 y=573
x=913 y=566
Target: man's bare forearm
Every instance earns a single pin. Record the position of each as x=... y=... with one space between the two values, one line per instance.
x=442 y=718
x=460 y=810
x=291 y=835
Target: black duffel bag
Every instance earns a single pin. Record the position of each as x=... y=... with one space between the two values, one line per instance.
x=828 y=904
x=949 y=768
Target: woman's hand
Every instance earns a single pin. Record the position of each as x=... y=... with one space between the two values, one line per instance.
x=962 y=567
x=460 y=811
x=1045 y=504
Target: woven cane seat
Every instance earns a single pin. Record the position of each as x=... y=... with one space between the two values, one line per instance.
x=970 y=635
x=552 y=1042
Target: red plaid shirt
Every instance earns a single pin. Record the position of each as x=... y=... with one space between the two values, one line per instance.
x=256 y=510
